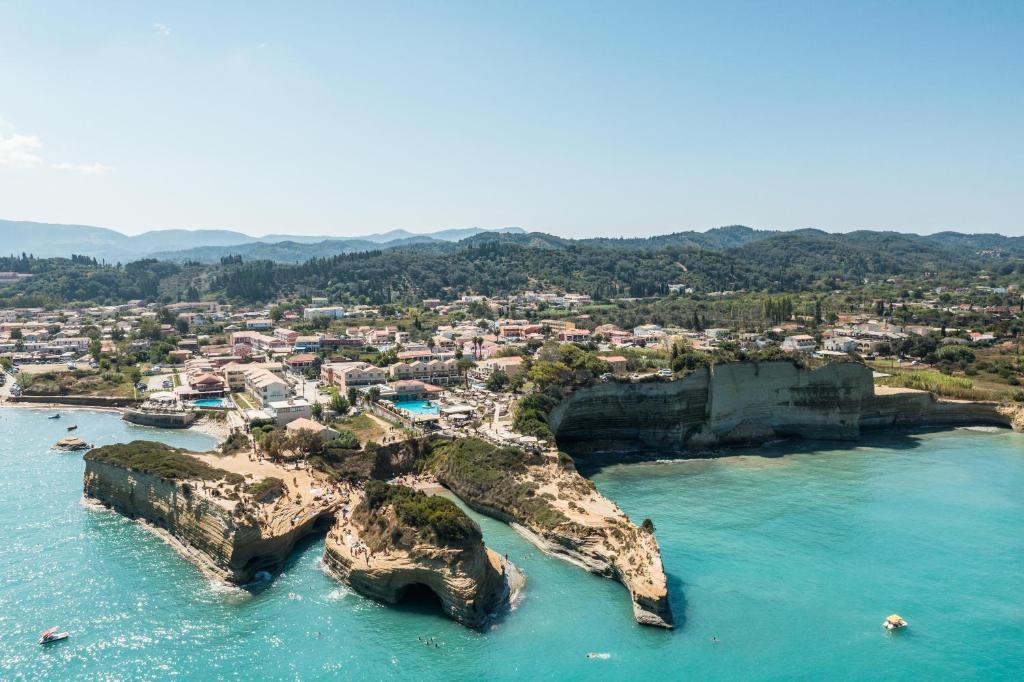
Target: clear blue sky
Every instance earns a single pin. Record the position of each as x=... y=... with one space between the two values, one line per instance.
x=576 y=118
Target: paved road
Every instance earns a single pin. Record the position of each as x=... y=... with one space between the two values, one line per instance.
x=5 y=390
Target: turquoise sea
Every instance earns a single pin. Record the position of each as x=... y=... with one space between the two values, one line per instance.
x=791 y=562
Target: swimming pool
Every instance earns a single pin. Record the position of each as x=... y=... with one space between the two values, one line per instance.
x=211 y=402
x=418 y=406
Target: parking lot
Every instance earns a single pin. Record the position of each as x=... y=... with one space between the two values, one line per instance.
x=156 y=382
x=50 y=367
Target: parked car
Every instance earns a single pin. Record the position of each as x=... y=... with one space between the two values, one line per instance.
x=664 y=372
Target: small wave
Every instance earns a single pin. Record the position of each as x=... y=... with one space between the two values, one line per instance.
x=338 y=594
x=982 y=429
x=92 y=504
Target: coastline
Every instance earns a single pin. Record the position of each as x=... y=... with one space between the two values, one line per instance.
x=196 y=558
x=204 y=425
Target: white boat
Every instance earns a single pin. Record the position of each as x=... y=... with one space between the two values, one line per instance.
x=51 y=635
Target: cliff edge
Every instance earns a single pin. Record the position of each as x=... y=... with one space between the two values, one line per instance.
x=544 y=498
x=392 y=540
x=749 y=403
x=225 y=526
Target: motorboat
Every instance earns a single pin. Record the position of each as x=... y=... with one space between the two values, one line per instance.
x=72 y=427
x=51 y=635
x=54 y=416
x=894 y=622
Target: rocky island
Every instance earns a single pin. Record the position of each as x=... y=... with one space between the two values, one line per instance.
x=396 y=539
x=229 y=527
x=382 y=541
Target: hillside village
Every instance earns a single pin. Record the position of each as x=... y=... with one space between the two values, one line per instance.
x=456 y=365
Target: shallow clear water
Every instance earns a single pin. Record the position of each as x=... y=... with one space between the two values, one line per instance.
x=417 y=406
x=791 y=562
x=210 y=402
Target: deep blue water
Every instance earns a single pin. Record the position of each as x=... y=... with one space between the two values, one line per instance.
x=792 y=562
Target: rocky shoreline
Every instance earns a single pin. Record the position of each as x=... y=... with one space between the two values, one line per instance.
x=220 y=520
x=750 y=403
x=471 y=581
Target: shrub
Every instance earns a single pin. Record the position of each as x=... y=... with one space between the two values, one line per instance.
x=434 y=518
x=157 y=459
x=955 y=353
x=266 y=489
x=236 y=442
x=484 y=474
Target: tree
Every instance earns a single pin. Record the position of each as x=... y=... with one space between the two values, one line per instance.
x=278 y=311
x=498 y=381
x=353 y=395
x=181 y=324
x=95 y=346
x=274 y=443
x=373 y=394
x=306 y=442
x=339 y=404
x=317 y=410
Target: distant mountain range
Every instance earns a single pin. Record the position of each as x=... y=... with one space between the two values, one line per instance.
x=46 y=240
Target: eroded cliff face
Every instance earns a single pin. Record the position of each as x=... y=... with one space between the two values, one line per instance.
x=561 y=512
x=471 y=581
x=745 y=403
x=211 y=531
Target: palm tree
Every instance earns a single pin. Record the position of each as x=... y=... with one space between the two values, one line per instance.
x=478 y=344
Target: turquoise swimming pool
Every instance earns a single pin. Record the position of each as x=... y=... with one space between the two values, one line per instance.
x=211 y=402
x=418 y=406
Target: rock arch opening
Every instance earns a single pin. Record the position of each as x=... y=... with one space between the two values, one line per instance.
x=419 y=598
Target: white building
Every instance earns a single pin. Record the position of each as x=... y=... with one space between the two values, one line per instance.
x=841 y=344
x=265 y=386
x=334 y=312
x=799 y=343
x=287 y=411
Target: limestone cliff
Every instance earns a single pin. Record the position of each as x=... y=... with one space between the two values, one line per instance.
x=749 y=403
x=552 y=505
x=383 y=556
x=232 y=539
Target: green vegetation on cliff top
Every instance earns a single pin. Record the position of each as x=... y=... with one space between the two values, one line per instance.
x=429 y=518
x=157 y=459
x=487 y=476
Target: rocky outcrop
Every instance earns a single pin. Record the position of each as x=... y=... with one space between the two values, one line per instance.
x=744 y=403
x=550 y=504
x=471 y=581
x=224 y=537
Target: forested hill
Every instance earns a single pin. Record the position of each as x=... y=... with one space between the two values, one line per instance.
x=732 y=258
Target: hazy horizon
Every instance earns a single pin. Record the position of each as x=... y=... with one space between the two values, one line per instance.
x=428 y=231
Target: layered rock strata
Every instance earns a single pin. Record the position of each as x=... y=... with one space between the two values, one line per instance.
x=549 y=503
x=232 y=539
x=744 y=403
x=470 y=580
